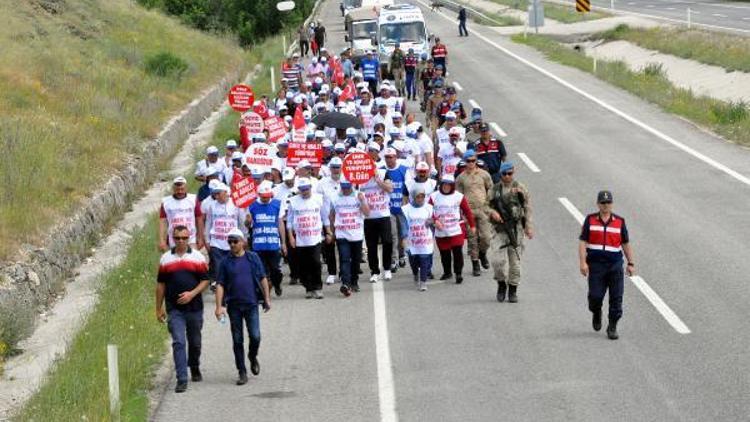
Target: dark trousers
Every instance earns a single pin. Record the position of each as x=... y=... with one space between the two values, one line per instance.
x=458 y=260
x=329 y=256
x=373 y=83
x=215 y=257
x=462 y=29
x=605 y=276
x=420 y=265
x=272 y=263
x=308 y=261
x=185 y=329
x=251 y=317
x=350 y=254
x=304 y=47
x=411 y=85
x=378 y=230
x=441 y=61
x=292 y=260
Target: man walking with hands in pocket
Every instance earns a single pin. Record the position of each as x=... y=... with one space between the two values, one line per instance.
x=242 y=286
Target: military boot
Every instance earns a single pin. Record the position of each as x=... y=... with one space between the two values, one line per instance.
x=501 y=288
x=612 y=329
x=475 y=271
x=512 y=297
x=483 y=259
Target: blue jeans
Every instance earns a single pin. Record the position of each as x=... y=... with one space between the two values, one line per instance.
x=420 y=265
x=185 y=327
x=350 y=255
x=605 y=276
x=251 y=316
x=215 y=258
x=411 y=86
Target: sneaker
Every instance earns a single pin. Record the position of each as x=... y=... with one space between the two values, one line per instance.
x=309 y=295
x=445 y=277
x=356 y=288
x=331 y=279
x=402 y=262
x=181 y=387
x=195 y=375
x=318 y=294
x=387 y=276
x=422 y=286
x=374 y=278
x=242 y=379
x=459 y=279
x=277 y=290
x=346 y=291
x=394 y=267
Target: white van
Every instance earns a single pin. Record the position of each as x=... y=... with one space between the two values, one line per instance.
x=403 y=24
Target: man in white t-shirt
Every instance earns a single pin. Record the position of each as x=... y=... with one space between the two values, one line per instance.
x=348 y=211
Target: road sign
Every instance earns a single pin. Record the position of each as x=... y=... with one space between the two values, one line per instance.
x=583 y=6
x=358 y=168
x=241 y=98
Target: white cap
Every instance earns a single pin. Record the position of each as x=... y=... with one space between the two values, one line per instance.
x=306 y=114
x=461 y=146
x=303 y=182
x=308 y=84
x=418 y=189
x=288 y=174
x=265 y=189
x=304 y=164
x=318 y=79
x=298 y=99
x=397 y=115
x=213 y=184
x=350 y=131
x=390 y=152
x=210 y=171
x=323 y=59
x=394 y=131
x=179 y=179
x=335 y=162
x=393 y=88
x=326 y=143
x=423 y=166
x=320 y=134
x=236 y=233
x=337 y=90
x=237 y=155
x=315 y=59
x=221 y=187
x=325 y=87
x=287 y=118
x=373 y=146
x=231 y=143
x=212 y=150
x=398 y=145
x=447 y=178
x=450 y=115
x=339 y=146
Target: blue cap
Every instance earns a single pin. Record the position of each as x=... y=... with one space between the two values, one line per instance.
x=469 y=154
x=506 y=166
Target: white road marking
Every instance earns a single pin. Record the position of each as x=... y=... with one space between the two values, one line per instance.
x=700 y=156
x=670 y=8
x=660 y=306
x=572 y=209
x=639 y=282
x=631 y=4
x=386 y=389
x=474 y=103
x=719 y=15
x=530 y=164
x=694 y=12
x=650 y=6
x=500 y=132
x=457 y=86
x=746 y=19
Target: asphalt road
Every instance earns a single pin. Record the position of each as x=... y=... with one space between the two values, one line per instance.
x=728 y=15
x=454 y=353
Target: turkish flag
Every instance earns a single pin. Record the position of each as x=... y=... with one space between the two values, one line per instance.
x=261 y=108
x=348 y=93
x=299 y=120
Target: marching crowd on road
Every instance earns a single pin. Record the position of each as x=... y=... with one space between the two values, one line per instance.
x=438 y=182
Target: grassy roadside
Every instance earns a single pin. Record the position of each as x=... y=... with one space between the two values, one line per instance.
x=560 y=13
x=713 y=48
x=125 y=316
x=497 y=19
x=730 y=120
x=83 y=84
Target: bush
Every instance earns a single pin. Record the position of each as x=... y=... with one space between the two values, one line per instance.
x=166 y=65
x=730 y=113
x=654 y=70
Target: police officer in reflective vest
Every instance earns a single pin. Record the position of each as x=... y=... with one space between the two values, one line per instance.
x=510 y=213
x=604 y=238
x=439 y=55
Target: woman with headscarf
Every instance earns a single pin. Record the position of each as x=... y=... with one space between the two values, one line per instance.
x=420 y=221
x=448 y=207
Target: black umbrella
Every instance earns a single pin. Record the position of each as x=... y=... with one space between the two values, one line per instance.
x=337 y=120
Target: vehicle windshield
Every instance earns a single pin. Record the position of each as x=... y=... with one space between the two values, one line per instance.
x=352 y=4
x=363 y=29
x=392 y=33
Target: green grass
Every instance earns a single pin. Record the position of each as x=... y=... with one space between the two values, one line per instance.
x=713 y=48
x=560 y=13
x=729 y=120
x=77 y=98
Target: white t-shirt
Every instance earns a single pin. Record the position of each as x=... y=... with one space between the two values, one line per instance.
x=201 y=166
x=220 y=220
x=180 y=212
x=377 y=199
x=429 y=186
x=307 y=218
x=348 y=219
x=421 y=240
x=447 y=209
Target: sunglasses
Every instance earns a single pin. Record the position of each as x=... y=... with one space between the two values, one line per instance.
x=180 y=237
x=233 y=240
x=471 y=161
x=507 y=173
x=606 y=202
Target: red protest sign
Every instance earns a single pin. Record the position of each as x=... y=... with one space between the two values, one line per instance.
x=243 y=191
x=253 y=122
x=276 y=127
x=310 y=151
x=241 y=98
x=358 y=168
x=260 y=155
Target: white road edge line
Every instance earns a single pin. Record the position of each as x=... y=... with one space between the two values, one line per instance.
x=474 y=103
x=386 y=389
x=457 y=86
x=500 y=132
x=710 y=161
x=660 y=306
x=530 y=164
x=719 y=15
x=639 y=282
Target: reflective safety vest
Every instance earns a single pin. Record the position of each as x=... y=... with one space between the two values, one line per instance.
x=410 y=63
x=605 y=237
x=439 y=51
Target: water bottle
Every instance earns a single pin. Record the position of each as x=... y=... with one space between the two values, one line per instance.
x=223 y=319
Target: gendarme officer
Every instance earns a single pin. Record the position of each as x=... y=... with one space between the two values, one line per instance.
x=604 y=238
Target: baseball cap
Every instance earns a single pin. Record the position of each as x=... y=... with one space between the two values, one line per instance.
x=418 y=190
x=335 y=162
x=231 y=143
x=212 y=150
x=257 y=172
x=447 y=178
x=326 y=143
x=604 y=197
x=304 y=164
x=469 y=154
x=454 y=131
x=378 y=134
x=320 y=134
x=339 y=147
x=450 y=115
x=390 y=152
x=236 y=233
x=374 y=146
x=303 y=183
x=394 y=131
x=288 y=174
x=179 y=180
x=265 y=189
x=484 y=127
x=398 y=145
x=213 y=184
x=345 y=183
x=396 y=115
x=221 y=187
x=423 y=166
x=506 y=166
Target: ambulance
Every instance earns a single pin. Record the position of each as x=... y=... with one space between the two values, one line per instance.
x=403 y=24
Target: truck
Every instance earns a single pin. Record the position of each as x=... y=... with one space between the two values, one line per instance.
x=403 y=24
x=362 y=30
x=356 y=5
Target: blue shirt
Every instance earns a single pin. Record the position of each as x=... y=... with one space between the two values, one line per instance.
x=265 y=225
x=348 y=67
x=370 y=69
x=240 y=276
x=397 y=176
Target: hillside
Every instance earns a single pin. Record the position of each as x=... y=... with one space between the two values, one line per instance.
x=84 y=83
